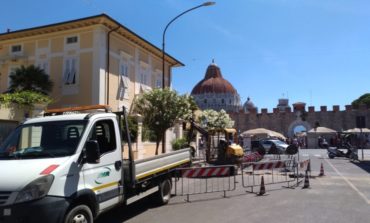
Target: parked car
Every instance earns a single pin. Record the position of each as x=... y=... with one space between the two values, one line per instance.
x=272 y=146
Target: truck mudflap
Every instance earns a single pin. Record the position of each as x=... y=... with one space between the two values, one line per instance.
x=48 y=209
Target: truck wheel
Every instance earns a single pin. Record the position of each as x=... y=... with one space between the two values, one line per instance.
x=164 y=193
x=79 y=214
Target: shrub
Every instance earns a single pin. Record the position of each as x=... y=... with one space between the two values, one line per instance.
x=180 y=143
x=24 y=98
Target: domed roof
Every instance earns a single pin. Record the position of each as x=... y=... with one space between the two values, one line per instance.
x=213 y=82
x=249 y=104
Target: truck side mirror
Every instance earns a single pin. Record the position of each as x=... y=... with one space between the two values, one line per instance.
x=92 y=152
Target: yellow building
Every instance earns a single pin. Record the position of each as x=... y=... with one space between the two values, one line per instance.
x=74 y=54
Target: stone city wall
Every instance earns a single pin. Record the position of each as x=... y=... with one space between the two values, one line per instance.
x=285 y=122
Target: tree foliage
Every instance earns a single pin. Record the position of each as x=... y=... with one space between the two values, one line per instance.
x=212 y=119
x=161 y=108
x=30 y=78
x=133 y=128
x=24 y=98
x=180 y=143
x=362 y=100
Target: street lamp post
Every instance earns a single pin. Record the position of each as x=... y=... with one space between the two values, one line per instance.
x=163 y=49
x=164 y=35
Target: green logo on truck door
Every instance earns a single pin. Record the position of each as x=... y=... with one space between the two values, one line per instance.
x=105 y=173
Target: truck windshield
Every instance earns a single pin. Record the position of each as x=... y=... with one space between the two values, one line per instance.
x=43 y=140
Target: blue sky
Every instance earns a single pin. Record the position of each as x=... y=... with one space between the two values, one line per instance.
x=315 y=51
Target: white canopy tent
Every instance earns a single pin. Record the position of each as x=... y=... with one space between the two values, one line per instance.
x=262 y=133
x=357 y=130
x=322 y=130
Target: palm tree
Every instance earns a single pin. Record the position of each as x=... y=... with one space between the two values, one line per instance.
x=30 y=78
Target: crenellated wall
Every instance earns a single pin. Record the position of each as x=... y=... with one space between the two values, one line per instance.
x=286 y=121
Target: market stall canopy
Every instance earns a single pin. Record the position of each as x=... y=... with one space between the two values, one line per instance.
x=262 y=132
x=357 y=130
x=322 y=130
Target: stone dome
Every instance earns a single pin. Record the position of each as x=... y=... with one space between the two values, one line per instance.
x=214 y=92
x=213 y=82
x=248 y=105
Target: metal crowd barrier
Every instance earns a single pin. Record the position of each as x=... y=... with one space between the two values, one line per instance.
x=303 y=167
x=273 y=172
x=202 y=180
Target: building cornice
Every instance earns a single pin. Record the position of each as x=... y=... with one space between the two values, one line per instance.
x=101 y=19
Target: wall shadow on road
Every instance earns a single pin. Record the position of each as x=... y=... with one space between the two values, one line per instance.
x=364 y=165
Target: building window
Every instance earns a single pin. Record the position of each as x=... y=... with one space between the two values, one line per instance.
x=222 y=101
x=144 y=78
x=70 y=71
x=12 y=70
x=124 y=81
x=71 y=40
x=44 y=65
x=158 y=82
x=205 y=101
x=16 y=49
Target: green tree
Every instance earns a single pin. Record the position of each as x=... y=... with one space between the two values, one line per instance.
x=133 y=128
x=30 y=78
x=362 y=100
x=161 y=108
x=212 y=119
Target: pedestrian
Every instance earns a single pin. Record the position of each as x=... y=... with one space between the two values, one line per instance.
x=319 y=141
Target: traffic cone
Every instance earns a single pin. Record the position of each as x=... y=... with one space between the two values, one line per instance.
x=322 y=171
x=306 y=182
x=262 y=188
x=309 y=166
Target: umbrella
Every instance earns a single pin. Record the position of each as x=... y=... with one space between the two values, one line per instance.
x=321 y=130
x=357 y=130
x=262 y=131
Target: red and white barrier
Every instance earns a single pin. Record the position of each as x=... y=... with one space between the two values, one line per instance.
x=206 y=172
x=304 y=164
x=269 y=165
x=253 y=157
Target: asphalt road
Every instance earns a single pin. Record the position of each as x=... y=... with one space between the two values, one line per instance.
x=342 y=195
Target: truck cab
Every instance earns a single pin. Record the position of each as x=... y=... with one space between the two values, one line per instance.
x=69 y=168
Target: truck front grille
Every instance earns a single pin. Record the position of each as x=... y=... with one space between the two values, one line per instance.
x=4 y=196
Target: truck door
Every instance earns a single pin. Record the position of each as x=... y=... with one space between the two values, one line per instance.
x=103 y=178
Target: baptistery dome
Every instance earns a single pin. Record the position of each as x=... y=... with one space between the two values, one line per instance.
x=215 y=92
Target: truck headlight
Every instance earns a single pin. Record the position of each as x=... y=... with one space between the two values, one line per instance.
x=36 y=189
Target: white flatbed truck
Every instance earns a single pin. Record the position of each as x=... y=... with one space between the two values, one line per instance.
x=67 y=168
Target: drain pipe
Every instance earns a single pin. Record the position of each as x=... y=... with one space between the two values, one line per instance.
x=108 y=64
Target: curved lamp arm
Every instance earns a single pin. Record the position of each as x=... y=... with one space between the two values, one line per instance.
x=164 y=34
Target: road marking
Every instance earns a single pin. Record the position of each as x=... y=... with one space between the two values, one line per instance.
x=349 y=183
x=318 y=155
